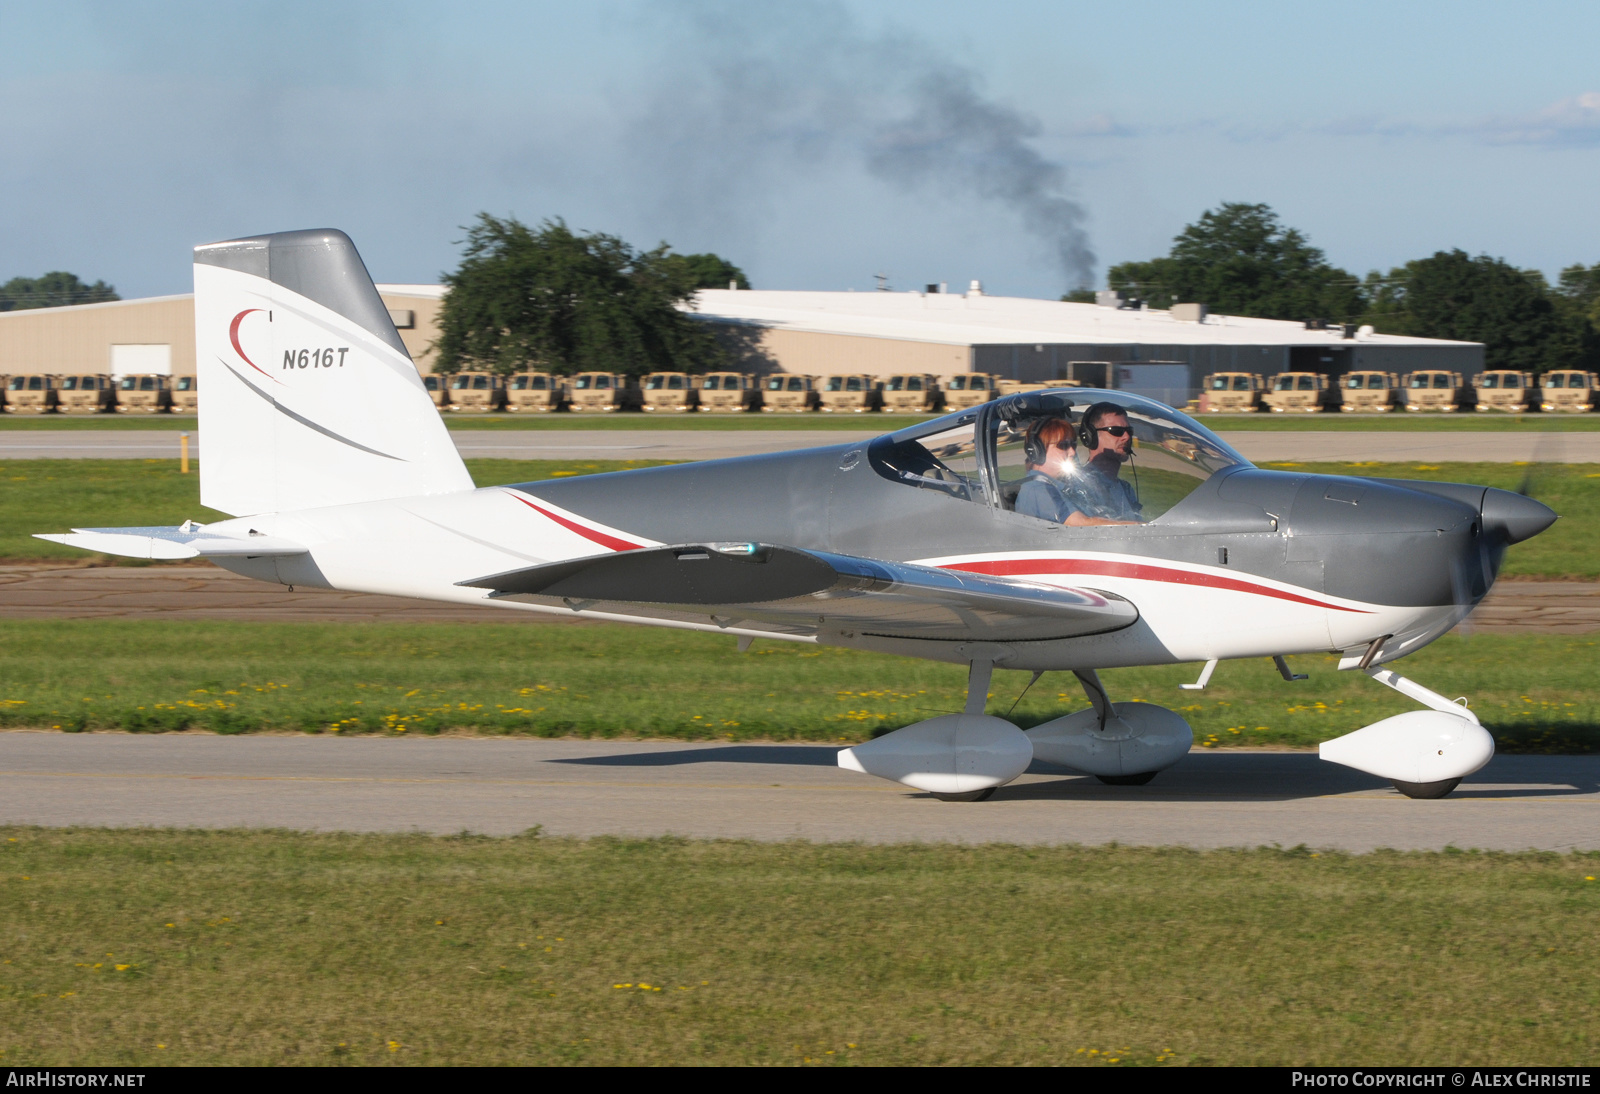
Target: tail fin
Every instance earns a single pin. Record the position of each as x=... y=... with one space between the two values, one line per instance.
x=307 y=394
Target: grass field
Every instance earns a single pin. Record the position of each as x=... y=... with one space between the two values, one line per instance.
x=1534 y=692
x=884 y=423
x=55 y=495
x=138 y=948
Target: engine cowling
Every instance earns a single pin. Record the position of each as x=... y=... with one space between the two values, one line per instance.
x=1137 y=738
x=951 y=754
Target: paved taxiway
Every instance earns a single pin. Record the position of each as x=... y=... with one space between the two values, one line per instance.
x=764 y=792
x=700 y=444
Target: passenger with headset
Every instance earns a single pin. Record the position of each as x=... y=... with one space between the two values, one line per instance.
x=1097 y=494
x=1047 y=448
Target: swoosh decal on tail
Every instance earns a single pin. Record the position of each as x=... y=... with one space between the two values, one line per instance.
x=303 y=420
x=233 y=336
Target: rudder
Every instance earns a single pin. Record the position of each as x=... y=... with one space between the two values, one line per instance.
x=307 y=395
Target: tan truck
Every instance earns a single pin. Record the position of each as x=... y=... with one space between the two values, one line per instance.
x=1569 y=391
x=789 y=394
x=968 y=389
x=144 y=393
x=534 y=391
x=593 y=392
x=1231 y=393
x=1296 y=392
x=186 y=394
x=1432 y=389
x=1368 y=392
x=475 y=392
x=1504 y=389
x=725 y=392
x=436 y=387
x=669 y=391
x=34 y=393
x=1011 y=387
x=911 y=393
x=856 y=394
x=82 y=394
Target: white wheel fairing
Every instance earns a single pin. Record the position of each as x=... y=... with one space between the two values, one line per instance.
x=952 y=754
x=1420 y=746
x=1139 y=737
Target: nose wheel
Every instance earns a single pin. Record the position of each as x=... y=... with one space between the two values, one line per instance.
x=1426 y=790
x=1128 y=780
x=971 y=796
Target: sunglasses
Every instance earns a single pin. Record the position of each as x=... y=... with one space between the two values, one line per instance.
x=1114 y=430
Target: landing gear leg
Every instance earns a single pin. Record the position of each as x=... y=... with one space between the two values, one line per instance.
x=1096 y=691
x=978 y=677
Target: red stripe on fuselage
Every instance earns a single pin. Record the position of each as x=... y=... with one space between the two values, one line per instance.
x=1026 y=567
x=601 y=538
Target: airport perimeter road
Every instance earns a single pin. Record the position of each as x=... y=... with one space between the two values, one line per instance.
x=37 y=591
x=703 y=444
x=763 y=792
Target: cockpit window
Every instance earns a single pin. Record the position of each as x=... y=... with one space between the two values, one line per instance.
x=981 y=456
x=941 y=455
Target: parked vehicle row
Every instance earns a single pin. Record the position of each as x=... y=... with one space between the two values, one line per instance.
x=1421 y=391
x=717 y=392
x=1424 y=390
x=97 y=393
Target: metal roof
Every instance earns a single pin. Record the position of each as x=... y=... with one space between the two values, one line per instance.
x=978 y=319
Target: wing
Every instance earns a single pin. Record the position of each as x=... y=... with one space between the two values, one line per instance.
x=805 y=592
x=183 y=541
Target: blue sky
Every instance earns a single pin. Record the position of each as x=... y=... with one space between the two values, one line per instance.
x=815 y=143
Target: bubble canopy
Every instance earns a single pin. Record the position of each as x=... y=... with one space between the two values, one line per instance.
x=983 y=455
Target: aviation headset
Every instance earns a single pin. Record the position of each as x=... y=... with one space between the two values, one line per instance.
x=1033 y=446
x=1088 y=435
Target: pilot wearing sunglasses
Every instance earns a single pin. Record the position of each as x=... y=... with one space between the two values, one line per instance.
x=1098 y=494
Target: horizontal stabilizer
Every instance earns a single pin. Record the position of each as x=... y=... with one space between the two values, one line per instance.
x=813 y=591
x=183 y=541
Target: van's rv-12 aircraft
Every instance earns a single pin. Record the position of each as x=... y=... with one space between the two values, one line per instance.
x=321 y=438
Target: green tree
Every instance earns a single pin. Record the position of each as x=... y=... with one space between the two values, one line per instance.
x=551 y=298
x=54 y=290
x=1239 y=259
x=707 y=271
x=1521 y=321
x=1078 y=296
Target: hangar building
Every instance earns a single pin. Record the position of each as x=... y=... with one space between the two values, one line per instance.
x=1163 y=353
x=1019 y=338
x=156 y=334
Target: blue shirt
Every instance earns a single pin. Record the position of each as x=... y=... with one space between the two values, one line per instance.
x=1096 y=494
x=1042 y=497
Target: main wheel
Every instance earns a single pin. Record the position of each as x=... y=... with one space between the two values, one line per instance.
x=1426 y=790
x=969 y=796
x=1127 y=780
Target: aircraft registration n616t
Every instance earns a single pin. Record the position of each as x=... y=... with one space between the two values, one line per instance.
x=1066 y=530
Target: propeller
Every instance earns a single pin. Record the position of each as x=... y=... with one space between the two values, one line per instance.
x=1505 y=517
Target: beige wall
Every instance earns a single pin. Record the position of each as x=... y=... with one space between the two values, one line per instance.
x=79 y=339
x=813 y=354
x=425 y=312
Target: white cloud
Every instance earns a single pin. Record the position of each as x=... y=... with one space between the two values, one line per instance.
x=1573 y=122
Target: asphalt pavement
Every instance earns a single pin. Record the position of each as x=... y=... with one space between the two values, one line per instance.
x=764 y=792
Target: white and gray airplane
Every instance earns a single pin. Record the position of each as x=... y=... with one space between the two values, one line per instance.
x=321 y=439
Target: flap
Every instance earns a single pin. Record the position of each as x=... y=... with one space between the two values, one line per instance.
x=183 y=541
x=813 y=591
